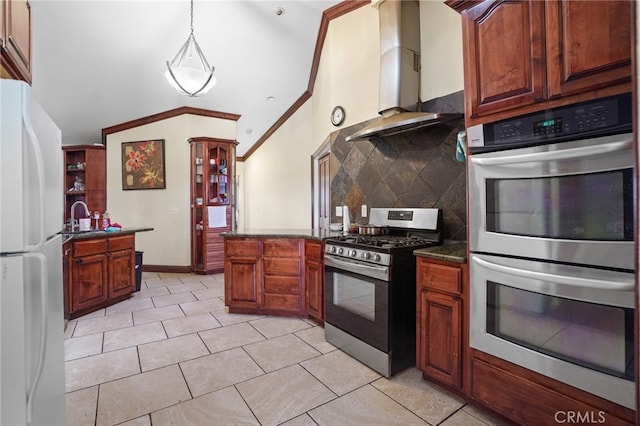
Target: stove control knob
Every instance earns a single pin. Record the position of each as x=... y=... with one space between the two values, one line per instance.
x=352 y=253
x=333 y=249
x=377 y=258
x=366 y=255
x=340 y=250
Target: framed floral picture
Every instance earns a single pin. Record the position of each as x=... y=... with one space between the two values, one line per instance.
x=143 y=165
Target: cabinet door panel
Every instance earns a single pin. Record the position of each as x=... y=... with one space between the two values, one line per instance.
x=242 y=286
x=588 y=45
x=440 y=340
x=122 y=273
x=17 y=45
x=504 y=63
x=88 y=281
x=314 y=277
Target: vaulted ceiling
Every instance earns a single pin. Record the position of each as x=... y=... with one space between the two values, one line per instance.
x=99 y=63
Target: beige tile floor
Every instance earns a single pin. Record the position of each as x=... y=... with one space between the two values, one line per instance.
x=173 y=355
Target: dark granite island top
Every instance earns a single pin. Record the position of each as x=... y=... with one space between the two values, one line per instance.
x=68 y=236
x=314 y=234
x=452 y=251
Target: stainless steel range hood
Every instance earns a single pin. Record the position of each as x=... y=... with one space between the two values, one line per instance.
x=400 y=74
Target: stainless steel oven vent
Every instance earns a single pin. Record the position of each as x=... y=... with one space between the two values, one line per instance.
x=400 y=74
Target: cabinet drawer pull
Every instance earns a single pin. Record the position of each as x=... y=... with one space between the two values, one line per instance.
x=78 y=261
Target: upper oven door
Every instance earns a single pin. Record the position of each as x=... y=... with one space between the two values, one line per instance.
x=570 y=202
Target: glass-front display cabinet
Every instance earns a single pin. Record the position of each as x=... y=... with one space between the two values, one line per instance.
x=85 y=180
x=212 y=201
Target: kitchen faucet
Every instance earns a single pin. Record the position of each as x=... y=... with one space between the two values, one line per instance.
x=73 y=213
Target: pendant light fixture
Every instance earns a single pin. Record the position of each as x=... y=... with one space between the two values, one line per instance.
x=189 y=72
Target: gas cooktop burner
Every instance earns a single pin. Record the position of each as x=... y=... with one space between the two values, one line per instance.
x=385 y=241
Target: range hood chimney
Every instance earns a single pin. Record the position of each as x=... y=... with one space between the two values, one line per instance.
x=400 y=74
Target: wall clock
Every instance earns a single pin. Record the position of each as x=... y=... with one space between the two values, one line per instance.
x=337 y=116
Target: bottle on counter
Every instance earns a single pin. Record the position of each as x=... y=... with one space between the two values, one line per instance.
x=96 y=219
x=106 y=220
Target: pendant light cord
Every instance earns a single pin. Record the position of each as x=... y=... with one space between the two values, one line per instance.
x=192 y=17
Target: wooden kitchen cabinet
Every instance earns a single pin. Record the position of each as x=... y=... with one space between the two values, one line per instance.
x=212 y=201
x=15 y=39
x=441 y=335
x=122 y=265
x=314 y=279
x=521 y=54
x=85 y=178
x=274 y=276
x=528 y=398
x=242 y=274
x=99 y=272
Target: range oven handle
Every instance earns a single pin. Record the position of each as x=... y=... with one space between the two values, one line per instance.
x=358 y=268
x=594 y=283
x=570 y=153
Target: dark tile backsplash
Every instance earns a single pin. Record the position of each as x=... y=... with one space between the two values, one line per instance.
x=414 y=169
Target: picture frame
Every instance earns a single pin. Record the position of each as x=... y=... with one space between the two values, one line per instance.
x=143 y=165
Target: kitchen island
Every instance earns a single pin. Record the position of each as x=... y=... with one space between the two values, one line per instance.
x=98 y=269
x=275 y=272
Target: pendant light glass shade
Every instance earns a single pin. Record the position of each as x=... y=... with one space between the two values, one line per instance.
x=189 y=72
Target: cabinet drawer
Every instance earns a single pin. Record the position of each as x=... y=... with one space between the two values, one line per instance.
x=242 y=248
x=89 y=247
x=313 y=251
x=441 y=277
x=282 y=302
x=281 y=248
x=276 y=284
x=281 y=266
x=122 y=242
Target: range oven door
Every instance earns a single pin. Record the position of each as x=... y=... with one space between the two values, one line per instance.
x=569 y=202
x=357 y=300
x=569 y=323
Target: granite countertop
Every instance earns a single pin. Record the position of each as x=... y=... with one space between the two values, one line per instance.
x=87 y=235
x=316 y=234
x=452 y=251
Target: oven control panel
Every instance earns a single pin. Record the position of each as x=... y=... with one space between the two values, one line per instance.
x=358 y=254
x=587 y=119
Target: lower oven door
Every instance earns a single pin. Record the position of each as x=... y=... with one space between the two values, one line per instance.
x=570 y=323
x=356 y=302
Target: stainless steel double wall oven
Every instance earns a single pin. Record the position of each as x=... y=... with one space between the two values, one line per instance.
x=551 y=211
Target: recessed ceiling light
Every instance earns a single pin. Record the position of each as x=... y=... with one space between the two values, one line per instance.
x=271 y=98
x=280 y=11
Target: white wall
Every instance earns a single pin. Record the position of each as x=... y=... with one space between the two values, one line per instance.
x=165 y=210
x=276 y=178
x=441 y=46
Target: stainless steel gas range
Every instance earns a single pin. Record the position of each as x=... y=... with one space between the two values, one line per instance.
x=370 y=287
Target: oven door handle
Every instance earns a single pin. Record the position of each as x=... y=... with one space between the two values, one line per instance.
x=594 y=283
x=570 y=153
x=358 y=268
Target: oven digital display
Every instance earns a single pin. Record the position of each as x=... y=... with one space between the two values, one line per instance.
x=547 y=126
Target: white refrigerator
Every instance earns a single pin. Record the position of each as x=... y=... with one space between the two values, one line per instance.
x=32 y=388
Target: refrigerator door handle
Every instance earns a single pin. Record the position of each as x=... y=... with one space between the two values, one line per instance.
x=37 y=151
x=42 y=260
